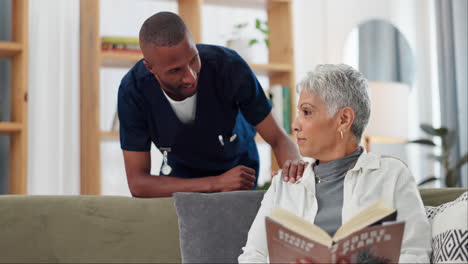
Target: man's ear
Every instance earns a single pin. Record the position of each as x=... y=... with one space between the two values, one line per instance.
x=147 y=65
x=150 y=69
x=345 y=118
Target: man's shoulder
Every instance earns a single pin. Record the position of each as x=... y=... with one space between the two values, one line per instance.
x=218 y=54
x=137 y=73
x=215 y=50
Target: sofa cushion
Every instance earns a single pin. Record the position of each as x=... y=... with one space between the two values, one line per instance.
x=449 y=223
x=213 y=227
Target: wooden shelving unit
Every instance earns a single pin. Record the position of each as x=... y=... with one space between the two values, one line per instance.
x=10 y=127
x=280 y=69
x=127 y=60
x=16 y=51
x=10 y=49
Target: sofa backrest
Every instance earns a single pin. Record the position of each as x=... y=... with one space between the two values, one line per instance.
x=108 y=229
x=438 y=196
x=91 y=229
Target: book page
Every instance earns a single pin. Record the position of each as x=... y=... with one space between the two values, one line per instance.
x=287 y=246
x=366 y=217
x=301 y=226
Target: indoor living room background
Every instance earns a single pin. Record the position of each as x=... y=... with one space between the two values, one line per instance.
x=64 y=196
x=323 y=32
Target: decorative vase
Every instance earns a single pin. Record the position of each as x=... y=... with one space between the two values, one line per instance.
x=242 y=47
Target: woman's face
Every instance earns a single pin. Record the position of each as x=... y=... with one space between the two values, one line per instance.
x=316 y=132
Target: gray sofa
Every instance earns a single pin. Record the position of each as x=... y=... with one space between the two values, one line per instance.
x=110 y=229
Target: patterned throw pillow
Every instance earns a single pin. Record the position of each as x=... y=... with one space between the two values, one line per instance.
x=449 y=223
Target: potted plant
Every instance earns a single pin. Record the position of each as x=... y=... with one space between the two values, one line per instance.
x=447 y=139
x=242 y=44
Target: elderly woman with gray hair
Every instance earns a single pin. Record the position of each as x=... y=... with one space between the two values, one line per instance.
x=343 y=179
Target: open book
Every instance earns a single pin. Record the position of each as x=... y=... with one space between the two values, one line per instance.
x=371 y=236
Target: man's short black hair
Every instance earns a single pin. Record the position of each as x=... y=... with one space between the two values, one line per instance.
x=163 y=29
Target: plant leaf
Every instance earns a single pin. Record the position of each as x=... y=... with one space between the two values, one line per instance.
x=267 y=42
x=242 y=25
x=252 y=42
x=264 y=186
x=423 y=142
x=258 y=23
x=428 y=179
x=428 y=129
x=451 y=178
x=440 y=158
x=439 y=132
x=448 y=140
x=461 y=161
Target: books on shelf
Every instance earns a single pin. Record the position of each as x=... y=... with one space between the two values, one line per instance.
x=120 y=44
x=281 y=99
x=371 y=236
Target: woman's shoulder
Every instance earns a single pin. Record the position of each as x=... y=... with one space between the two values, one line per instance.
x=393 y=162
x=285 y=188
x=383 y=161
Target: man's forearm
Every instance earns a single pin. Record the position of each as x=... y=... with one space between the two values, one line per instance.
x=285 y=149
x=164 y=186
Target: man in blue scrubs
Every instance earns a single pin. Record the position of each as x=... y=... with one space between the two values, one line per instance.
x=201 y=105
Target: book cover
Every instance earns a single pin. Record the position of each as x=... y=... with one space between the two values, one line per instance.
x=281 y=99
x=286 y=109
x=120 y=44
x=121 y=40
x=363 y=239
x=276 y=98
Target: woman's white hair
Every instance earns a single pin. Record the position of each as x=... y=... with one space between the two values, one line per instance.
x=338 y=86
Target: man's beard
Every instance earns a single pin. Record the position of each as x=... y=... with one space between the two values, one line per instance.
x=175 y=90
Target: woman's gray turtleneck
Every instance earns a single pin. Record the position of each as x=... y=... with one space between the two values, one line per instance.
x=330 y=193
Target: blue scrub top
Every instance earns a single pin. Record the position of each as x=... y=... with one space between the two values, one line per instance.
x=230 y=102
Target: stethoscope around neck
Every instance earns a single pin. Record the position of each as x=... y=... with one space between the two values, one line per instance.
x=166 y=169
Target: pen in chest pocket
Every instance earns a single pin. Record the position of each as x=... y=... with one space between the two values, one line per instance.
x=231 y=139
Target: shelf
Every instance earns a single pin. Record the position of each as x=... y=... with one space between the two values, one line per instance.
x=244 y=3
x=127 y=60
x=9 y=49
x=259 y=138
x=109 y=135
x=271 y=69
x=247 y=3
x=119 y=59
x=10 y=127
x=387 y=140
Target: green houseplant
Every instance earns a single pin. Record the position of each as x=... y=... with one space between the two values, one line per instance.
x=240 y=42
x=262 y=27
x=447 y=141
